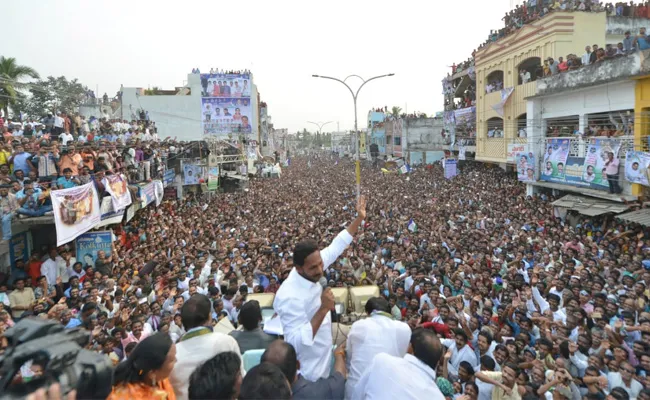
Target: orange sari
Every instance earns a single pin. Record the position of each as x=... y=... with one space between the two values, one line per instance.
x=140 y=391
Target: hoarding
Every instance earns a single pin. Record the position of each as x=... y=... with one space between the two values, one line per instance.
x=226 y=104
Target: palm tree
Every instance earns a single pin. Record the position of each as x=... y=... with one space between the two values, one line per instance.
x=396 y=111
x=10 y=75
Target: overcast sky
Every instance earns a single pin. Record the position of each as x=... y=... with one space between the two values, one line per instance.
x=146 y=43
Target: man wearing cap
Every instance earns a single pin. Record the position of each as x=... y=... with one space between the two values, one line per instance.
x=8 y=206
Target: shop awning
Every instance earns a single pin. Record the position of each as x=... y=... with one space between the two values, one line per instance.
x=640 y=217
x=589 y=206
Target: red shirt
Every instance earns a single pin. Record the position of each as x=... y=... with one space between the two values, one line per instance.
x=34 y=270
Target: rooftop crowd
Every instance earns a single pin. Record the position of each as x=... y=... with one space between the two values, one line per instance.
x=484 y=292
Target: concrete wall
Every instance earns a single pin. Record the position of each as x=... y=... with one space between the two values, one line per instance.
x=176 y=115
x=424 y=134
x=100 y=111
x=617 y=26
x=602 y=98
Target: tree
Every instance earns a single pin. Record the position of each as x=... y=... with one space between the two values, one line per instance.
x=51 y=95
x=11 y=73
x=396 y=111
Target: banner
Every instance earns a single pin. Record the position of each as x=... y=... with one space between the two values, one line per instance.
x=513 y=149
x=76 y=210
x=525 y=167
x=636 y=167
x=147 y=194
x=251 y=150
x=554 y=162
x=505 y=95
x=158 y=191
x=168 y=177
x=192 y=174
x=226 y=104
x=461 y=152
x=90 y=243
x=450 y=168
x=109 y=215
x=594 y=165
x=117 y=187
x=213 y=178
x=18 y=248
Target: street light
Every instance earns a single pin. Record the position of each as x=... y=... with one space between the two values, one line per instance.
x=356 y=130
x=320 y=125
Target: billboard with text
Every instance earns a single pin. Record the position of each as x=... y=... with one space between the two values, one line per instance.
x=226 y=104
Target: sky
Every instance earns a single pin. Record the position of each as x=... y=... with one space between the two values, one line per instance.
x=146 y=43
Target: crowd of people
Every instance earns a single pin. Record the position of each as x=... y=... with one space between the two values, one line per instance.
x=612 y=124
x=484 y=290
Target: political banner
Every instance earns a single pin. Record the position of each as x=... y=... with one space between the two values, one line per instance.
x=117 y=187
x=222 y=116
x=76 y=210
x=525 y=167
x=18 y=248
x=213 y=178
x=450 y=168
x=168 y=177
x=461 y=152
x=91 y=243
x=597 y=155
x=148 y=194
x=192 y=174
x=636 y=167
x=513 y=149
x=109 y=215
x=553 y=168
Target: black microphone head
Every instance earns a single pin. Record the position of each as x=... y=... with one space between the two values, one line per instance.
x=323 y=282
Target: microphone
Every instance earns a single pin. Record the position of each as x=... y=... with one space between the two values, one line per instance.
x=323 y=282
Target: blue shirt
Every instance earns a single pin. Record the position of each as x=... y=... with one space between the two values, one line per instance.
x=65 y=183
x=73 y=323
x=20 y=162
x=643 y=43
x=21 y=193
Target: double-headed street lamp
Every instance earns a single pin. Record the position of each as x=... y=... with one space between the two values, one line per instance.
x=320 y=125
x=356 y=129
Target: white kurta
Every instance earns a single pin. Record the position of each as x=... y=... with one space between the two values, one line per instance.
x=458 y=356
x=369 y=337
x=402 y=378
x=296 y=302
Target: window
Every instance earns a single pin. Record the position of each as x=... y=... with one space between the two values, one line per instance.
x=521 y=126
x=494 y=81
x=398 y=141
x=495 y=127
x=529 y=70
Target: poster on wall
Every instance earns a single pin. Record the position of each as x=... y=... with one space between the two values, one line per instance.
x=553 y=168
x=461 y=152
x=118 y=189
x=226 y=104
x=525 y=167
x=450 y=168
x=91 y=243
x=213 y=178
x=636 y=167
x=593 y=172
x=76 y=210
x=192 y=174
x=109 y=215
x=18 y=248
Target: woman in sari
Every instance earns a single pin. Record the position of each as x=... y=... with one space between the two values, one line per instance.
x=145 y=373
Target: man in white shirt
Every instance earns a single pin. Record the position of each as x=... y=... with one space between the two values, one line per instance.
x=525 y=76
x=586 y=57
x=410 y=377
x=198 y=344
x=49 y=269
x=65 y=138
x=304 y=307
x=460 y=351
x=379 y=333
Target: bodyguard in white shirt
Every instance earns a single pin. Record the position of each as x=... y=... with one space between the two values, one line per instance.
x=410 y=377
x=304 y=307
x=379 y=333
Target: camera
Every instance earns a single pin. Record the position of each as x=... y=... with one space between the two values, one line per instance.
x=60 y=354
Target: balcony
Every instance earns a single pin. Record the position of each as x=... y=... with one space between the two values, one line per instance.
x=606 y=71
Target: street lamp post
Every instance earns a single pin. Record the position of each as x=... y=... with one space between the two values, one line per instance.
x=356 y=129
x=320 y=126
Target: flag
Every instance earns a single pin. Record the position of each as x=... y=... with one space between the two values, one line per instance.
x=288 y=162
x=405 y=169
x=412 y=226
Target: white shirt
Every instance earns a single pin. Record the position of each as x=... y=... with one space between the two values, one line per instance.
x=369 y=337
x=390 y=377
x=65 y=138
x=193 y=352
x=585 y=58
x=50 y=271
x=58 y=121
x=614 y=379
x=63 y=267
x=457 y=356
x=296 y=302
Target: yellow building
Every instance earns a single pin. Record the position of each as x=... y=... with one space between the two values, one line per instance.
x=555 y=35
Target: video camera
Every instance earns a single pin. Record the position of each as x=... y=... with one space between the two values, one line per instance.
x=60 y=352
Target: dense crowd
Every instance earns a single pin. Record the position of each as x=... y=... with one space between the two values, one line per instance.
x=528 y=301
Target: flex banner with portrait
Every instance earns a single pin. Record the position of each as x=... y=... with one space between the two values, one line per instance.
x=193 y=174
x=89 y=244
x=637 y=165
x=553 y=166
x=76 y=210
x=117 y=187
x=525 y=166
x=226 y=104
